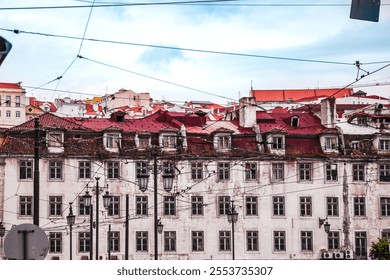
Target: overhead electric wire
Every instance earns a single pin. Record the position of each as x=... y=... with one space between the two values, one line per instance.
x=117 y=5
x=16 y=31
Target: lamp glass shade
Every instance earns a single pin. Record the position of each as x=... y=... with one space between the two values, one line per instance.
x=87 y=199
x=327 y=227
x=168 y=181
x=232 y=217
x=107 y=198
x=143 y=180
x=2 y=230
x=71 y=219
x=160 y=227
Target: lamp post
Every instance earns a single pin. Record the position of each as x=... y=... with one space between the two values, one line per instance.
x=232 y=217
x=71 y=221
x=87 y=199
x=143 y=185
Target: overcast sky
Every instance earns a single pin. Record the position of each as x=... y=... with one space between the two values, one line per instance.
x=181 y=52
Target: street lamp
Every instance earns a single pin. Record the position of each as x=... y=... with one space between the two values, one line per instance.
x=71 y=221
x=232 y=217
x=143 y=179
x=2 y=233
x=325 y=223
x=87 y=199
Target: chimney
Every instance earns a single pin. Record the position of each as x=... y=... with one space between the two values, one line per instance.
x=247 y=112
x=328 y=112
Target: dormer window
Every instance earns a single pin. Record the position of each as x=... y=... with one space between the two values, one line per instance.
x=54 y=139
x=222 y=142
x=144 y=142
x=277 y=143
x=295 y=121
x=168 y=141
x=330 y=143
x=384 y=144
x=112 y=141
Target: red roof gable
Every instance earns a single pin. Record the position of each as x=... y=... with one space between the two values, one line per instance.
x=297 y=94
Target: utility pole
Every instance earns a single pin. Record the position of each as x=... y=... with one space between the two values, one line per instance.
x=36 y=172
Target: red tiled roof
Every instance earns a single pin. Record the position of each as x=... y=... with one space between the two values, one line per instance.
x=36 y=103
x=10 y=85
x=47 y=120
x=308 y=123
x=152 y=123
x=297 y=94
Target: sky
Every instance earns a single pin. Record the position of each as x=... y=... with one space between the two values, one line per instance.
x=191 y=50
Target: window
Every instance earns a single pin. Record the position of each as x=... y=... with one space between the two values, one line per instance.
x=8 y=113
x=17 y=101
x=305 y=206
x=278 y=205
x=358 y=172
x=306 y=241
x=384 y=172
x=386 y=234
x=83 y=211
x=141 y=241
x=170 y=241
x=334 y=240
x=354 y=145
x=331 y=172
x=54 y=139
x=197 y=240
x=277 y=172
x=55 y=205
x=197 y=205
x=169 y=141
x=224 y=142
x=55 y=242
x=113 y=170
x=223 y=205
x=168 y=168
x=84 y=242
x=385 y=206
x=142 y=168
x=251 y=206
x=223 y=170
x=8 y=101
x=169 y=205
x=141 y=205
x=384 y=145
x=84 y=170
x=25 y=169
x=17 y=114
x=279 y=241
x=332 y=205
x=55 y=170
x=305 y=170
x=277 y=143
x=113 y=140
x=143 y=142
x=114 y=208
x=361 y=244
x=114 y=241
x=330 y=143
x=196 y=171
x=224 y=240
x=250 y=171
x=25 y=203
x=295 y=121
x=252 y=240
x=359 y=206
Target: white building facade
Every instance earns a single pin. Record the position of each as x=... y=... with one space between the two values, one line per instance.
x=286 y=177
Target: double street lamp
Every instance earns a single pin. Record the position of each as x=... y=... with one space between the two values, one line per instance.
x=143 y=179
x=87 y=200
x=232 y=217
